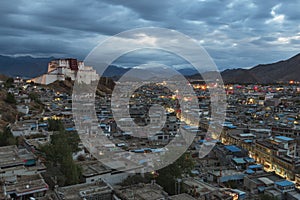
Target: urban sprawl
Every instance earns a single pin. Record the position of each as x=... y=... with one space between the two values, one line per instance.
x=42 y=155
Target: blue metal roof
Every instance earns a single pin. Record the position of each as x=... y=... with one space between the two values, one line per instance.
x=249 y=159
x=261 y=188
x=43 y=125
x=232 y=177
x=70 y=129
x=255 y=166
x=284 y=138
x=231 y=126
x=239 y=192
x=249 y=171
x=40 y=125
x=157 y=150
x=233 y=148
x=138 y=151
x=239 y=160
x=284 y=183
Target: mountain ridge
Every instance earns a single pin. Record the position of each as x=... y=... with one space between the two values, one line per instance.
x=24 y=66
x=281 y=71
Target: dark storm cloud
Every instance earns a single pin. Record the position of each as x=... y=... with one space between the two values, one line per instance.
x=236 y=33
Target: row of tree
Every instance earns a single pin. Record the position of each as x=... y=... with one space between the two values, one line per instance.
x=167 y=176
x=59 y=152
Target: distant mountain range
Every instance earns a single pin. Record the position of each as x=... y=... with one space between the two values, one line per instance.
x=142 y=74
x=24 y=66
x=281 y=71
x=286 y=70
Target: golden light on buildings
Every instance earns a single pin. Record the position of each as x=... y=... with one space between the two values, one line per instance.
x=202 y=87
x=56 y=117
x=251 y=101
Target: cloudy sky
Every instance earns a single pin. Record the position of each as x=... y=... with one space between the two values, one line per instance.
x=236 y=33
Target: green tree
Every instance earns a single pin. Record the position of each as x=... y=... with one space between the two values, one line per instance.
x=64 y=137
x=267 y=197
x=71 y=171
x=59 y=152
x=137 y=178
x=168 y=175
x=10 y=98
x=55 y=125
x=9 y=82
x=34 y=97
x=7 y=138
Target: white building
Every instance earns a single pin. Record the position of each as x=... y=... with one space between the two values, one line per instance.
x=60 y=69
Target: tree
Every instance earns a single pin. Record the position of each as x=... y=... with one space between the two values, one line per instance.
x=34 y=97
x=267 y=197
x=9 y=82
x=7 y=138
x=10 y=98
x=71 y=171
x=59 y=152
x=136 y=178
x=70 y=138
x=168 y=175
x=55 y=125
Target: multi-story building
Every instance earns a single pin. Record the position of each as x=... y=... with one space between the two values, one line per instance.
x=286 y=131
x=278 y=154
x=60 y=69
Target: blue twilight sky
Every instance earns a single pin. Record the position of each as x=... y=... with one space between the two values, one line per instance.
x=236 y=33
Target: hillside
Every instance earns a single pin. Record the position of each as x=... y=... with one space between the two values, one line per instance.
x=267 y=73
x=8 y=111
x=105 y=85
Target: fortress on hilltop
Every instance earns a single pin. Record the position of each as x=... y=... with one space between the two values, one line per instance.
x=60 y=69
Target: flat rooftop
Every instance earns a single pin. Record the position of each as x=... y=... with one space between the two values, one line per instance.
x=27 y=184
x=225 y=172
x=142 y=192
x=232 y=148
x=182 y=196
x=9 y=156
x=283 y=138
x=80 y=191
x=201 y=186
x=92 y=168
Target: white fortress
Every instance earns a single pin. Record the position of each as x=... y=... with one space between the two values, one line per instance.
x=60 y=69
